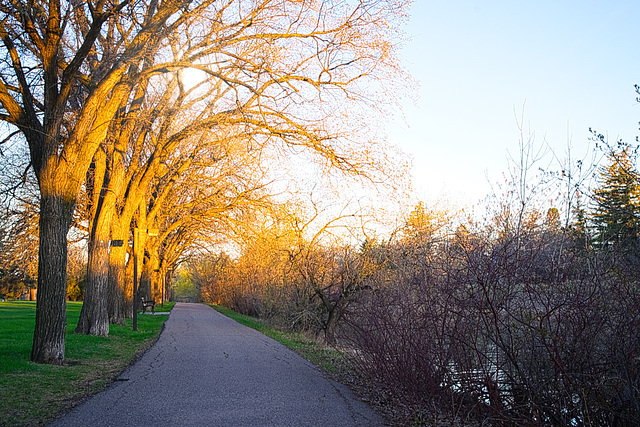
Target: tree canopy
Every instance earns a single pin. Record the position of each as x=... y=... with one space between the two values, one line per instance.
x=112 y=97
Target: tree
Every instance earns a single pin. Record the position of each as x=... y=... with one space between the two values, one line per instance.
x=617 y=201
x=62 y=81
x=281 y=71
x=208 y=273
x=276 y=75
x=19 y=246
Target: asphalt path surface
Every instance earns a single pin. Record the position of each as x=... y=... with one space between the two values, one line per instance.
x=209 y=370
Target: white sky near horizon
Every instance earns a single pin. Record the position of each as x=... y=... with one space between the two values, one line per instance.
x=569 y=65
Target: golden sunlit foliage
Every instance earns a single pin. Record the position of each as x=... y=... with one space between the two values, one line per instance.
x=112 y=99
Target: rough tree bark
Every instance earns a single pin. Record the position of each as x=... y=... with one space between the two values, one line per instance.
x=94 y=317
x=51 y=316
x=117 y=303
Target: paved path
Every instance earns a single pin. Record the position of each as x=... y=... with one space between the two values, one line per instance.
x=208 y=370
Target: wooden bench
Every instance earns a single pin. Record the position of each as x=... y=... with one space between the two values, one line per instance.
x=147 y=303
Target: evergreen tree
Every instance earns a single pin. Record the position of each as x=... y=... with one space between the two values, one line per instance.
x=579 y=227
x=617 y=211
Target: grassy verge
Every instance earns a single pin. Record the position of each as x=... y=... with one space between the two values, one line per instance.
x=32 y=394
x=325 y=357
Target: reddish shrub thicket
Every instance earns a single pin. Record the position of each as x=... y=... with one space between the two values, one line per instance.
x=501 y=333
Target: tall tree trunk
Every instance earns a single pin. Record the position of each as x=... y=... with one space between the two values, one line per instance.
x=94 y=317
x=146 y=279
x=154 y=274
x=120 y=271
x=117 y=278
x=144 y=288
x=334 y=316
x=128 y=284
x=51 y=316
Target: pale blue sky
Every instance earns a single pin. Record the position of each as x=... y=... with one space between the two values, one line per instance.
x=572 y=64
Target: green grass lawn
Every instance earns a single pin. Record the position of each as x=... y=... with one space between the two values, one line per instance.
x=32 y=394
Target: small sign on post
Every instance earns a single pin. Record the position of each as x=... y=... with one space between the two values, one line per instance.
x=117 y=243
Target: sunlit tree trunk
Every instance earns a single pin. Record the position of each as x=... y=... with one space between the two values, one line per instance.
x=51 y=316
x=94 y=317
x=120 y=271
x=148 y=279
x=154 y=274
x=142 y=224
x=128 y=285
x=145 y=279
x=162 y=285
x=104 y=271
x=116 y=304
x=117 y=277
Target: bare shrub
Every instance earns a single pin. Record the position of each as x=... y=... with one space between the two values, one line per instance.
x=524 y=329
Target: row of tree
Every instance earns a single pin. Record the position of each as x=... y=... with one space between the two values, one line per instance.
x=519 y=318
x=130 y=116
